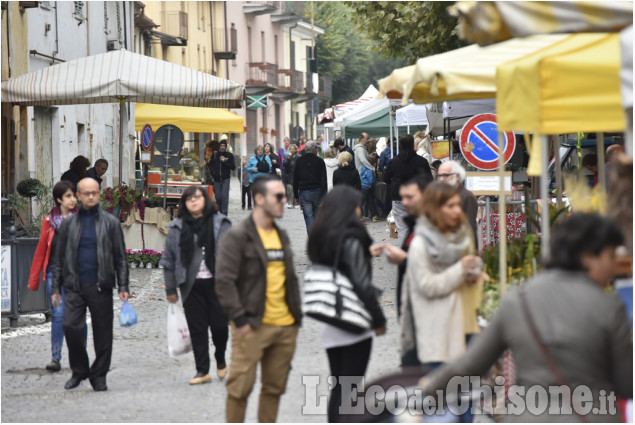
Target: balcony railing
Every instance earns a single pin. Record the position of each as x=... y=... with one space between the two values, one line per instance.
x=326 y=87
x=175 y=23
x=290 y=80
x=228 y=41
x=262 y=73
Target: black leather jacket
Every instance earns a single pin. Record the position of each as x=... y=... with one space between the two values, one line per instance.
x=111 y=253
x=355 y=264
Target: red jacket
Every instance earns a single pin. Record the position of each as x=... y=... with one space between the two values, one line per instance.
x=42 y=254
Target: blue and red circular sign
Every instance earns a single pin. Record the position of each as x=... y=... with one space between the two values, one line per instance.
x=146 y=137
x=479 y=142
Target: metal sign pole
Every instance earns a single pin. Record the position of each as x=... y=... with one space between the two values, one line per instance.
x=167 y=166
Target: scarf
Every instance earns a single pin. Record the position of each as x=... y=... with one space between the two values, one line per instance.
x=56 y=217
x=203 y=228
x=446 y=248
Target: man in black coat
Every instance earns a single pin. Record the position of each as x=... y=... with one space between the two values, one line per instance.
x=309 y=182
x=221 y=165
x=90 y=256
x=401 y=168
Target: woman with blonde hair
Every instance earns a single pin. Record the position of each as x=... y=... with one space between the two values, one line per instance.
x=442 y=283
x=330 y=160
x=346 y=172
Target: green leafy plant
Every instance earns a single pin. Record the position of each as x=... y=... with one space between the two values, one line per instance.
x=29 y=187
x=533 y=215
x=121 y=200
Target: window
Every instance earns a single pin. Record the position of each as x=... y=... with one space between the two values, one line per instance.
x=262 y=45
x=275 y=46
x=251 y=59
x=79 y=9
x=292 y=54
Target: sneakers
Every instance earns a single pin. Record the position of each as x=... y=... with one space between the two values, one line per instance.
x=289 y=206
x=200 y=379
x=221 y=371
x=376 y=219
x=54 y=366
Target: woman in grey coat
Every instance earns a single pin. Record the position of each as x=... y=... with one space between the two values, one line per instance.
x=189 y=260
x=563 y=329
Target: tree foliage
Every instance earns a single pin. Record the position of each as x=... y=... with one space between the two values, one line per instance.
x=407 y=29
x=345 y=54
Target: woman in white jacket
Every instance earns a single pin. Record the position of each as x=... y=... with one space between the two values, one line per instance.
x=330 y=161
x=441 y=286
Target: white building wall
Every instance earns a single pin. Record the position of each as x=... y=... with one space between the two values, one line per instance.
x=79 y=129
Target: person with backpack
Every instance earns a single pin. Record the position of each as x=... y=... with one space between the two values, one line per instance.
x=369 y=209
x=259 y=164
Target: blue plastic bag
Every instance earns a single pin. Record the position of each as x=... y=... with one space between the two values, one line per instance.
x=127 y=315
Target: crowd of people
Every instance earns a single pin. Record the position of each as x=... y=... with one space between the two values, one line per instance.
x=439 y=276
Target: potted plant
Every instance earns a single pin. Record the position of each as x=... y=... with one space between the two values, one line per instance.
x=133 y=257
x=155 y=258
x=121 y=200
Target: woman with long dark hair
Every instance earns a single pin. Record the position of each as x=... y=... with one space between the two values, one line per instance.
x=338 y=224
x=65 y=206
x=189 y=261
x=77 y=170
x=271 y=154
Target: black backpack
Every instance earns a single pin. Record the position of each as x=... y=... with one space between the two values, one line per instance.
x=262 y=166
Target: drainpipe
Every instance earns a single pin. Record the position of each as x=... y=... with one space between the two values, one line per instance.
x=211 y=30
x=291 y=101
x=9 y=39
x=226 y=29
x=57 y=46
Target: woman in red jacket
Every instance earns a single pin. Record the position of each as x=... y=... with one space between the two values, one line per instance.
x=65 y=205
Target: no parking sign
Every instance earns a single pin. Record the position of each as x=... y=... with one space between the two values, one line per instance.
x=479 y=142
x=146 y=137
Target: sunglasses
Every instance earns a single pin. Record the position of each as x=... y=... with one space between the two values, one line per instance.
x=280 y=196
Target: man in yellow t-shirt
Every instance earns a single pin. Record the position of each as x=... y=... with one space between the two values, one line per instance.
x=262 y=301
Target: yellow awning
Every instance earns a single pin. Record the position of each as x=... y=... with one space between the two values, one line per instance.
x=570 y=86
x=486 y=22
x=465 y=73
x=188 y=119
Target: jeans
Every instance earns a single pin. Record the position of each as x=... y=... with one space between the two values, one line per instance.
x=349 y=360
x=221 y=192
x=57 y=319
x=309 y=202
x=246 y=191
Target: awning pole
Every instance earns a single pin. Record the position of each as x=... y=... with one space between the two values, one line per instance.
x=545 y=230
x=601 y=165
x=122 y=135
x=502 y=217
x=390 y=120
x=558 y=168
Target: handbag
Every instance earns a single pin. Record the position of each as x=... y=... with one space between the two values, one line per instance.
x=329 y=296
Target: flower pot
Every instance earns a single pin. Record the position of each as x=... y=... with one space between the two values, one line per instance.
x=161 y=266
x=132 y=265
x=149 y=265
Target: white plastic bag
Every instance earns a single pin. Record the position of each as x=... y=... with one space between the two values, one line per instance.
x=179 y=341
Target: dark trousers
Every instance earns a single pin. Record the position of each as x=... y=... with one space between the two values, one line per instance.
x=310 y=203
x=99 y=304
x=369 y=209
x=221 y=192
x=203 y=312
x=246 y=190
x=349 y=360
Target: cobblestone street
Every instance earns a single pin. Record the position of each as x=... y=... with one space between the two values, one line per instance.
x=145 y=384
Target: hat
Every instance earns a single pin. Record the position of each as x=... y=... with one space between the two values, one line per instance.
x=223 y=142
x=223 y=137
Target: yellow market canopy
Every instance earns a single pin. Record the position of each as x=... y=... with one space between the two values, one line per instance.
x=486 y=22
x=568 y=87
x=189 y=119
x=465 y=73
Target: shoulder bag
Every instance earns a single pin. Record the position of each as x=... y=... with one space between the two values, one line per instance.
x=330 y=297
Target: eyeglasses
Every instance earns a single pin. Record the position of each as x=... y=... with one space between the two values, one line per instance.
x=197 y=196
x=442 y=176
x=280 y=196
x=89 y=194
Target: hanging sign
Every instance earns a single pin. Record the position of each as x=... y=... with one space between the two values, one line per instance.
x=257 y=101
x=479 y=142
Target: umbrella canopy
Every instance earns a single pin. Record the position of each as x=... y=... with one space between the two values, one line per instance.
x=346 y=107
x=376 y=125
x=368 y=108
x=486 y=22
x=412 y=115
x=469 y=72
x=392 y=86
x=107 y=77
x=570 y=86
x=187 y=118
